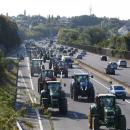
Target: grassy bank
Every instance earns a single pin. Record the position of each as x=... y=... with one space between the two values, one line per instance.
x=7 y=98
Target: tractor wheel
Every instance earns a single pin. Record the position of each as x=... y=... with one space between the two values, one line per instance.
x=91 y=95
x=63 y=106
x=55 y=73
x=122 y=122
x=71 y=92
x=32 y=74
x=95 y=123
x=89 y=120
x=75 y=94
x=66 y=74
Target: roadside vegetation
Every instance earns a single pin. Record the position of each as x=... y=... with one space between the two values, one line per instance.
x=7 y=95
x=94 y=37
x=9 y=36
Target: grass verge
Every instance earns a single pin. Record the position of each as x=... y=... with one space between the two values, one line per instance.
x=8 y=115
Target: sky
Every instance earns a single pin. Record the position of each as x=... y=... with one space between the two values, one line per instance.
x=109 y=8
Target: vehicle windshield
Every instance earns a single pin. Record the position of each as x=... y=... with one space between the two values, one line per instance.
x=68 y=60
x=106 y=101
x=54 y=86
x=47 y=73
x=36 y=63
x=118 y=88
x=82 y=78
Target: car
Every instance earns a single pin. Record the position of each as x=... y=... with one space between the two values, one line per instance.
x=118 y=91
x=71 y=54
x=110 y=69
x=103 y=58
x=79 y=56
x=122 y=63
x=113 y=65
x=65 y=51
x=83 y=53
x=81 y=85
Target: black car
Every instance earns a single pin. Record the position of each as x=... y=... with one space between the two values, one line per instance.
x=110 y=69
x=104 y=58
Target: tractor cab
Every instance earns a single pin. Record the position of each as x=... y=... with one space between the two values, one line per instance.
x=105 y=100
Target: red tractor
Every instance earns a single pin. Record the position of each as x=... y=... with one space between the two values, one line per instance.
x=45 y=75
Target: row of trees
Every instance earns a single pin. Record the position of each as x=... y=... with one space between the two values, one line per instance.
x=94 y=37
x=91 y=36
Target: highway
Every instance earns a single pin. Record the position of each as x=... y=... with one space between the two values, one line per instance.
x=122 y=74
x=77 y=117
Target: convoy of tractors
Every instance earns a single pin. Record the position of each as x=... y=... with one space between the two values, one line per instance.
x=103 y=112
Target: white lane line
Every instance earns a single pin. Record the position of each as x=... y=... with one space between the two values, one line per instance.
x=28 y=64
x=31 y=81
x=30 y=74
x=39 y=119
x=107 y=88
x=33 y=101
x=127 y=101
x=100 y=83
x=26 y=87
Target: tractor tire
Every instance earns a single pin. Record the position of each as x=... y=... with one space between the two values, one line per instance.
x=91 y=95
x=75 y=94
x=63 y=106
x=32 y=75
x=66 y=74
x=89 y=120
x=122 y=122
x=71 y=92
x=55 y=74
x=95 y=123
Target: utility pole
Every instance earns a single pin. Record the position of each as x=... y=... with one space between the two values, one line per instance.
x=90 y=10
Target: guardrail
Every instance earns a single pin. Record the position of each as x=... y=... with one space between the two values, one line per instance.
x=19 y=126
x=102 y=75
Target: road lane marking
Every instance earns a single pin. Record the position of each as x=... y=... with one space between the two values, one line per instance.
x=100 y=83
x=107 y=88
x=28 y=64
x=29 y=73
x=33 y=101
x=26 y=87
x=39 y=119
x=104 y=86
x=127 y=101
x=31 y=81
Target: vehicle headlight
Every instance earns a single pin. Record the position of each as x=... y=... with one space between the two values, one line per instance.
x=86 y=88
x=81 y=88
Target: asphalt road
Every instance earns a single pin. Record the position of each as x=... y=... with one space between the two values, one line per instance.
x=122 y=74
x=77 y=117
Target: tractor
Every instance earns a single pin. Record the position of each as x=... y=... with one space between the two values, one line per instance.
x=82 y=86
x=105 y=112
x=45 y=75
x=53 y=96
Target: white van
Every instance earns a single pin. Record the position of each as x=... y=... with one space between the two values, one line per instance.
x=67 y=60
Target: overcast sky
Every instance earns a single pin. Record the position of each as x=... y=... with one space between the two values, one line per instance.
x=109 y=8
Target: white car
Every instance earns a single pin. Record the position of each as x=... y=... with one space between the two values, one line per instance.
x=122 y=63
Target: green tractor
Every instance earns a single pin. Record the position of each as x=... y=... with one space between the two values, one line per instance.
x=105 y=112
x=53 y=96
